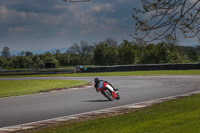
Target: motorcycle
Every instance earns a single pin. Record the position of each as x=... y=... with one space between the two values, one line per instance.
x=108 y=91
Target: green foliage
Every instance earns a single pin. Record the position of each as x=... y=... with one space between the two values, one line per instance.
x=6 y=52
x=48 y=57
x=127 y=53
x=138 y=53
x=83 y=51
x=2 y=61
x=36 y=61
x=8 y=65
x=99 y=54
x=107 y=52
x=21 y=62
x=150 y=55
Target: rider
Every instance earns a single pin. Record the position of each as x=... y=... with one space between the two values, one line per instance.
x=110 y=86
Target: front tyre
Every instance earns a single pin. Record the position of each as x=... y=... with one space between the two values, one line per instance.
x=108 y=95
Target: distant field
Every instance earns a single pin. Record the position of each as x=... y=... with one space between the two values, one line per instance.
x=127 y=73
x=23 y=87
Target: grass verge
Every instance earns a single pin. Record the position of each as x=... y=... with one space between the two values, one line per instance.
x=23 y=87
x=180 y=116
x=127 y=73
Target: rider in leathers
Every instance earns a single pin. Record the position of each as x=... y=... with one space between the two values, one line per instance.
x=110 y=86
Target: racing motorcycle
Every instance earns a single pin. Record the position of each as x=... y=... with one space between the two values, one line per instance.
x=108 y=91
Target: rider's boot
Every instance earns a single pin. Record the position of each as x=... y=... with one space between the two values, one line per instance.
x=116 y=90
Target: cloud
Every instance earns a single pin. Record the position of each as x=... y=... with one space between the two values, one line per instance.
x=20 y=29
x=4 y=10
x=54 y=23
x=73 y=18
x=85 y=31
x=101 y=8
x=6 y=14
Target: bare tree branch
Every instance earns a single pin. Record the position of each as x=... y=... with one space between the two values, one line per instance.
x=167 y=17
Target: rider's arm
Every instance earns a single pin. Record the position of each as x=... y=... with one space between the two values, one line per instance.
x=110 y=84
x=96 y=87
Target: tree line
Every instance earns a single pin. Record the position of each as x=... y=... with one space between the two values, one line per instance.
x=107 y=52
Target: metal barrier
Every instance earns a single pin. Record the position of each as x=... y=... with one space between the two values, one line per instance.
x=145 y=67
x=36 y=71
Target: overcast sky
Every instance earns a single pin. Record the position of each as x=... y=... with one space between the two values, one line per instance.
x=30 y=25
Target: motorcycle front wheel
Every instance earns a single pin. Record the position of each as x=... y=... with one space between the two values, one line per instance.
x=108 y=95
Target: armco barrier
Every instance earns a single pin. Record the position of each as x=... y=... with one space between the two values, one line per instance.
x=36 y=71
x=143 y=67
x=19 y=72
x=105 y=69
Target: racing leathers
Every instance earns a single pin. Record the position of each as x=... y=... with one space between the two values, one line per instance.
x=109 y=85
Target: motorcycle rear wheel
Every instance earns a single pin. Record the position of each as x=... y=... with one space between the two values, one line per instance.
x=118 y=97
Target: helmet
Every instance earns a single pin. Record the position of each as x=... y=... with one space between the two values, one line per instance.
x=96 y=80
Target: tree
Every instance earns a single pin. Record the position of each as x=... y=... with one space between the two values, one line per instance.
x=20 y=62
x=28 y=53
x=48 y=57
x=162 y=53
x=8 y=65
x=22 y=53
x=198 y=53
x=127 y=53
x=6 y=52
x=150 y=55
x=167 y=17
x=2 y=61
x=36 y=61
x=83 y=50
x=111 y=41
x=105 y=54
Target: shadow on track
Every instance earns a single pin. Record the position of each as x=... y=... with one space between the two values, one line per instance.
x=94 y=101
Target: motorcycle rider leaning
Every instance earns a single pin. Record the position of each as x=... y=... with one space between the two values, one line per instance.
x=96 y=81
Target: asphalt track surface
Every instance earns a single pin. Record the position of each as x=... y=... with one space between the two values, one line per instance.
x=132 y=89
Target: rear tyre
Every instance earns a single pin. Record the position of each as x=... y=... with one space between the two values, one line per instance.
x=118 y=97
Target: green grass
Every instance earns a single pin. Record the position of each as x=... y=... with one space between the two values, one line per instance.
x=127 y=73
x=176 y=116
x=23 y=87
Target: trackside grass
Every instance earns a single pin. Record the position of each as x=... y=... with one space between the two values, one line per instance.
x=127 y=73
x=176 y=116
x=23 y=87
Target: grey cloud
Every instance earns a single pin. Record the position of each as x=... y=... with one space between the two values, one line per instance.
x=46 y=22
x=35 y=6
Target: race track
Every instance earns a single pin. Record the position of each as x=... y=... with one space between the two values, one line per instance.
x=132 y=89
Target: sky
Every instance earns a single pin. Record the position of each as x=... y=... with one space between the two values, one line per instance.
x=31 y=25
